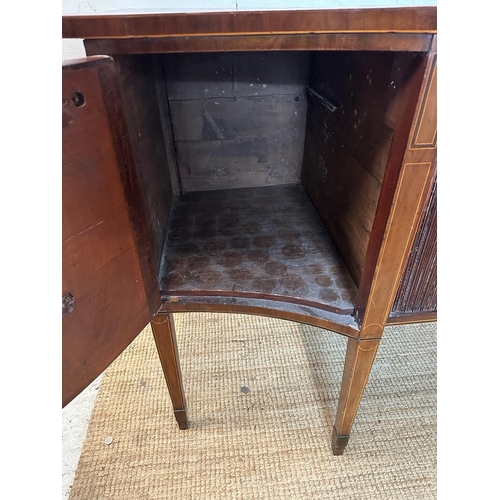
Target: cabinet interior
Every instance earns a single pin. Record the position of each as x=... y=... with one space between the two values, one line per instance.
x=261 y=171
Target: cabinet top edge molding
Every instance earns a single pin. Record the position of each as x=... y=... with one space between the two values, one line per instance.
x=276 y=22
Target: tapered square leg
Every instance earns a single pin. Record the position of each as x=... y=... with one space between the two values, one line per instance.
x=358 y=363
x=166 y=344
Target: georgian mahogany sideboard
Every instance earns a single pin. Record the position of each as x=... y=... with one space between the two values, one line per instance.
x=278 y=163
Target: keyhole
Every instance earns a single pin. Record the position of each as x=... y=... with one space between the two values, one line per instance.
x=78 y=99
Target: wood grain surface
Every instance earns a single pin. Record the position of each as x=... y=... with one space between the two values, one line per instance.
x=238 y=119
x=106 y=246
x=309 y=315
x=359 y=359
x=405 y=42
x=166 y=344
x=138 y=81
x=412 y=168
x=388 y=20
x=347 y=150
x=417 y=292
x=265 y=243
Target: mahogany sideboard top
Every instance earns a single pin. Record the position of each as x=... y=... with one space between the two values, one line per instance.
x=396 y=28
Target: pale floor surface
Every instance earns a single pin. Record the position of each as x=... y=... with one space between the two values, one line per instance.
x=389 y=461
x=75 y=421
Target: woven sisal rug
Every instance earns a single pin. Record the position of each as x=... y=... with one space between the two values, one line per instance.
x=262 y=395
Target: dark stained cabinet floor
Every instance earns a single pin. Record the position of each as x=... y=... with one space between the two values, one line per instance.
x=265 y=242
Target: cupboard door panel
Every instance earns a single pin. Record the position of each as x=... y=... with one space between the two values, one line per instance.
x=109 y=287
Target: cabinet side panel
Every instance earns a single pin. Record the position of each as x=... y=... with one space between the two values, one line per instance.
x=238 y=118
x=405 y=192
x=339 y=186
x=347 y=148
x=417 y=291
x=138 y=80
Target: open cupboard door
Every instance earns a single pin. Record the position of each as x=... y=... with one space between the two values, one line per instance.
x=109 y=286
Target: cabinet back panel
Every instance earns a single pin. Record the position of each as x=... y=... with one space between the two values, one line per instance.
x=347 y=150
x=139 y=80
x=238 y=118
